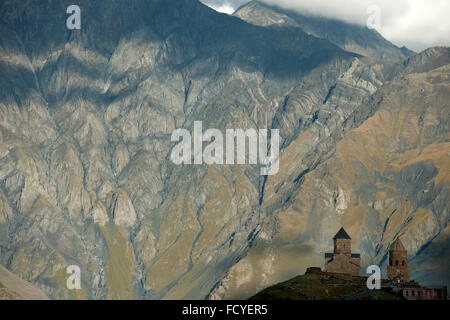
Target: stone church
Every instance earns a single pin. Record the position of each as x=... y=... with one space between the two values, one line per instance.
x=342 y=260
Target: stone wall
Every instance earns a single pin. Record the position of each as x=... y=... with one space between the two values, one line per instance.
x=343 y=263
x=425 y=293
x=342 y=246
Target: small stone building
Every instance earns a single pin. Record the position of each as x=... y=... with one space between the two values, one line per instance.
x=398 y=269
x=342 y=260
x=418 y=293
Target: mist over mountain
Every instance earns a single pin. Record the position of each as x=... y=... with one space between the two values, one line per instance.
x=350 y=37
x=86 y=118
x=416 y=24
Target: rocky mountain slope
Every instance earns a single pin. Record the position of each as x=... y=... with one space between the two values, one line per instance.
x=14 y=288
x=387 y=177
x=85 y=175
x=7 y=294
x=353 y=38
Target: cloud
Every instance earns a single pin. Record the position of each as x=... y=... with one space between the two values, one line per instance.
x=418 y=24
x=228 y=3
x=222 y=6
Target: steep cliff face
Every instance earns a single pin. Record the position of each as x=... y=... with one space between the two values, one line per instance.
x=85 y=123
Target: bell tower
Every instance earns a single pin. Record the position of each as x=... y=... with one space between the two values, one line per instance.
x=398 y=262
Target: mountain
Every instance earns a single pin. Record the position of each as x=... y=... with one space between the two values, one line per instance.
x=86 y=118
x=352 y=38
x=14 y=288
x=387 y=178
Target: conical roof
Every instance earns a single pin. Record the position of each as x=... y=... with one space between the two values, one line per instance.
x=397 y=246
x=342 y=234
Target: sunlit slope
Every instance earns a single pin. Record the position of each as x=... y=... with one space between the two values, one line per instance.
x=14 y=288
x=388 y=177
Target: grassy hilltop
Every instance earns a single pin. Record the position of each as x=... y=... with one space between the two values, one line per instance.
x=321 y=287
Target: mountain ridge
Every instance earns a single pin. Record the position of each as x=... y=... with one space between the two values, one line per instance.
x=85 y=126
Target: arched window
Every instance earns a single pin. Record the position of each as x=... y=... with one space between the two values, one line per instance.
x=396 y=262
x=403 y=262
x=406 y=292
x=390 y=262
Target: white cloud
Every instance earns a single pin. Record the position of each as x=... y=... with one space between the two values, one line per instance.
x=224 y=8
x=418 y=24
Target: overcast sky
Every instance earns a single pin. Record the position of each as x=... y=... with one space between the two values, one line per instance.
x=417 y=24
